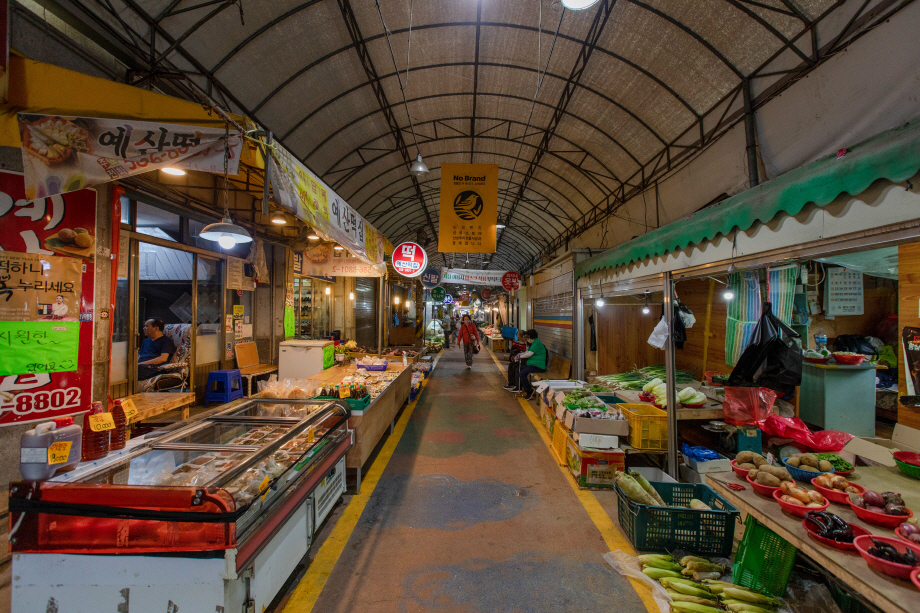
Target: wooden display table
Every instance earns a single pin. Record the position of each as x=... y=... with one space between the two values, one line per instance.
x=378 y=415
x=887 y=593
x=151 y=404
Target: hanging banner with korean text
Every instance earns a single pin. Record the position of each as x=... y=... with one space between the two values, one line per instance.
x=46 y=354
x=35 y=287
x=305 y=196
x=469 y=208
x=65 y=154
x=322 y=260
x=472 y=277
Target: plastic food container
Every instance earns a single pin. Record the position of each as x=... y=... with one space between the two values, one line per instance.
x=813 y=533
x=836 y=495
x=880 y=519
x=849 y=360
x=796 y=509
x=901 y=571
x=765 y=490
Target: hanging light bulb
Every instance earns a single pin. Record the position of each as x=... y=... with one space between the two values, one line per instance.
x=396 y=299
x=226 y=241
x=351 y=295
x=226 y=233
x=328 y=290
x=408 y=304
x=599 y=302
x=578 y=5
x=418 y=168
x=729 y=294
x=279 y=218
x=646 y=310
x=312 y=236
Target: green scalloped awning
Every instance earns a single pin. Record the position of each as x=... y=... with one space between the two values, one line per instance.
x=893 y=155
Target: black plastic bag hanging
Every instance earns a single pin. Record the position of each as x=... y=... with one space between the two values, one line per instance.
x=678 y=329
x=773 y=358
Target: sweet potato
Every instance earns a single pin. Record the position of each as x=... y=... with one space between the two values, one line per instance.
x=794 y=461
x=792 y=500
x=809 y=459
x=746 y=466
x=744 y=457
x=767 y=479
x=759 y=460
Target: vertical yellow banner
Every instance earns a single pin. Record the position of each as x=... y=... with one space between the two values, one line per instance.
x=469 y=208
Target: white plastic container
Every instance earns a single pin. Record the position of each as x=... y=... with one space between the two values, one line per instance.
x=33 y=448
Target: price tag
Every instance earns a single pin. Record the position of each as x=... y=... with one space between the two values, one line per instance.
x=311 y=435
x=770 y=459
x=59 y=452
x=263 y=487
x=128 y=407
x=346 y=392
x=101 y=422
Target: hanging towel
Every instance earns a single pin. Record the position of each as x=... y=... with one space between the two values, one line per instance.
x=781 y=290
x=743 y=313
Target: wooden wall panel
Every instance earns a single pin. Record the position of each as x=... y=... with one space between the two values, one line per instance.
x=880 y=298
x=908 y=315
x=622 y=338
x=695 y=294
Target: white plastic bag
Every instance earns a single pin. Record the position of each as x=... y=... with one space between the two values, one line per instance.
x=659 y=335
x=257 y=259
x=629 y=566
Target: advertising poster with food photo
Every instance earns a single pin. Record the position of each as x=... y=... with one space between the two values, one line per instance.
x=46 y=302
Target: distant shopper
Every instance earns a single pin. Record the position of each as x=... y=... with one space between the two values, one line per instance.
x=469 y=338
x=519 y=345
x=447 y=325
x=534 y=360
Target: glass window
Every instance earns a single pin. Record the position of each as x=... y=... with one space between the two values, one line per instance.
x=125 y=210
x=209 y=312
x=153 y=221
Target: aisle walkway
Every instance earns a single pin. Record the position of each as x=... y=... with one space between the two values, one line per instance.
x=472 y=515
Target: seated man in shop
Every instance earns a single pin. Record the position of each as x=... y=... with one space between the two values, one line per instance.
x=533 y=360
x=156 y=349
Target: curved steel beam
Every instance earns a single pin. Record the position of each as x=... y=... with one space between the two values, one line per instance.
x=769 y=28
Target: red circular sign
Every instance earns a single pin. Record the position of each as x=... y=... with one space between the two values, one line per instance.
x=511 y=281
x=409 y=259
x=486 y=294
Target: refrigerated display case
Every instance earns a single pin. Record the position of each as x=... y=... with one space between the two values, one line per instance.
x=311 y=308
x=213 y=512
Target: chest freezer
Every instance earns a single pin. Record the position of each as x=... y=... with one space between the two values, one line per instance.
x=299 y=359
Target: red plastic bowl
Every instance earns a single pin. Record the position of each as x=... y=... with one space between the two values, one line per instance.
x=908 y=457
x=817 y=360
x=812 y=531
x=880 y=519
x=836 y=495
x=901 y=536
x=645 y=397
x=901 y=571
x=915 y=577
x=795 y=509
x=741 y=472
x=849 y=360
x=766 y=490
x=845 y=472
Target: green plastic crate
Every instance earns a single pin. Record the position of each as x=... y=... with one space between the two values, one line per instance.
x=650 y=528
x=356 y=404
x=764 y=560
x=845 y=602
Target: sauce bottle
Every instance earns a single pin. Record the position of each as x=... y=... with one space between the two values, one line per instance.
x=95 y=444
x=119 y=436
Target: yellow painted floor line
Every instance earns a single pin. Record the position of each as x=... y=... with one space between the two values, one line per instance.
x=314 y=580
x=611 y=534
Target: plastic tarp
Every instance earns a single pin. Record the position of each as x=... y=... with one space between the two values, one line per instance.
x=876 y=263
x=893 y=155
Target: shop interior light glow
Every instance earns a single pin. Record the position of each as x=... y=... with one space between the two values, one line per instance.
x=646 y=310
x=728 y=295
x=599 y=302
x=173 y=171
x=396 y=299
x=328 y=290
x=408 y=304
x=338 y=247
x=279 y=218
x=313 y=237
x=351 y=295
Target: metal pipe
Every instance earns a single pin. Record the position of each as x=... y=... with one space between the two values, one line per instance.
x=750 y=135
x=266 y=183
x=671 y=370
x=578 y=364
x=381 y=304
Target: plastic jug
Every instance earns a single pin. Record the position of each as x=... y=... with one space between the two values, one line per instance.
x=34 y=461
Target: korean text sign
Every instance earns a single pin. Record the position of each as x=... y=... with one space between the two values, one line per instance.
x=49 y=373
x=469 y=208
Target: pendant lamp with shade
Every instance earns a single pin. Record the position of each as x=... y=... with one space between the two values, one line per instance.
x=226 y=233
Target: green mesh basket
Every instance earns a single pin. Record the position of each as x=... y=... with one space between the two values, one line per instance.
x=764 y=559
x=908 y=469
x=651 y=528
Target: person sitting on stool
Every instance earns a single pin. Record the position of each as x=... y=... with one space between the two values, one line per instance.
x=534 y=360
x=156 y=349
x=519 y=345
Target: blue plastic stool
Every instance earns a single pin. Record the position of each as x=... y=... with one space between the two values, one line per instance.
x=223 y=386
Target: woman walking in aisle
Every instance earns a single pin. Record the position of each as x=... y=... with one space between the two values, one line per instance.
x=468 y=336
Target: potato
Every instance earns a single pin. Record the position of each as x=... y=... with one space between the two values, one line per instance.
x=759 y=460
x=752 y=474
x=767 y=479
x=744 y=457
x=776 y=471
x=809 y=459
x=746 y=466
x=794 y=461
x=825 y=466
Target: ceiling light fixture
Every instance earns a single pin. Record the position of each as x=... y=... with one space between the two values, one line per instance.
x=646 y=310
x=328 y=290
x=728 y=295
x=279 y=218
x=599 y=302
x=338 y=247
x=578 y=5
x=499 y=226
x=226 y=233
x=351 y=295
x=418 y=167
x=173 y=171
x=313 y=237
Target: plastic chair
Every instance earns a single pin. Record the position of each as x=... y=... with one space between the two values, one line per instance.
x=223 y=386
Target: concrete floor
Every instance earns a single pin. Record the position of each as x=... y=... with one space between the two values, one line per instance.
x=471 y=515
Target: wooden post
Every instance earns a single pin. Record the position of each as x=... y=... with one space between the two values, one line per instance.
x=706 y=333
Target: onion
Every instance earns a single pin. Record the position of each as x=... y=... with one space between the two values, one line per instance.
x=874 y=509
x=859 y=501
x=908 y=529
x=874 y=499
x=914 y=538
x=896 y=509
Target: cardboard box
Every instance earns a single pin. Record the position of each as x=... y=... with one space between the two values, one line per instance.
x=593 y=469
x=596 y=441
x=712 y=392
x=877 y=451
x=586 y=425
x=549 y=421
x=653 y=474
x=722 y=465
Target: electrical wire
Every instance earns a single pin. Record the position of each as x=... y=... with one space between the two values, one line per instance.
x=402 y=86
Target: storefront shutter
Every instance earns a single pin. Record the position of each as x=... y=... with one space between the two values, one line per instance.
x=366 y=311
